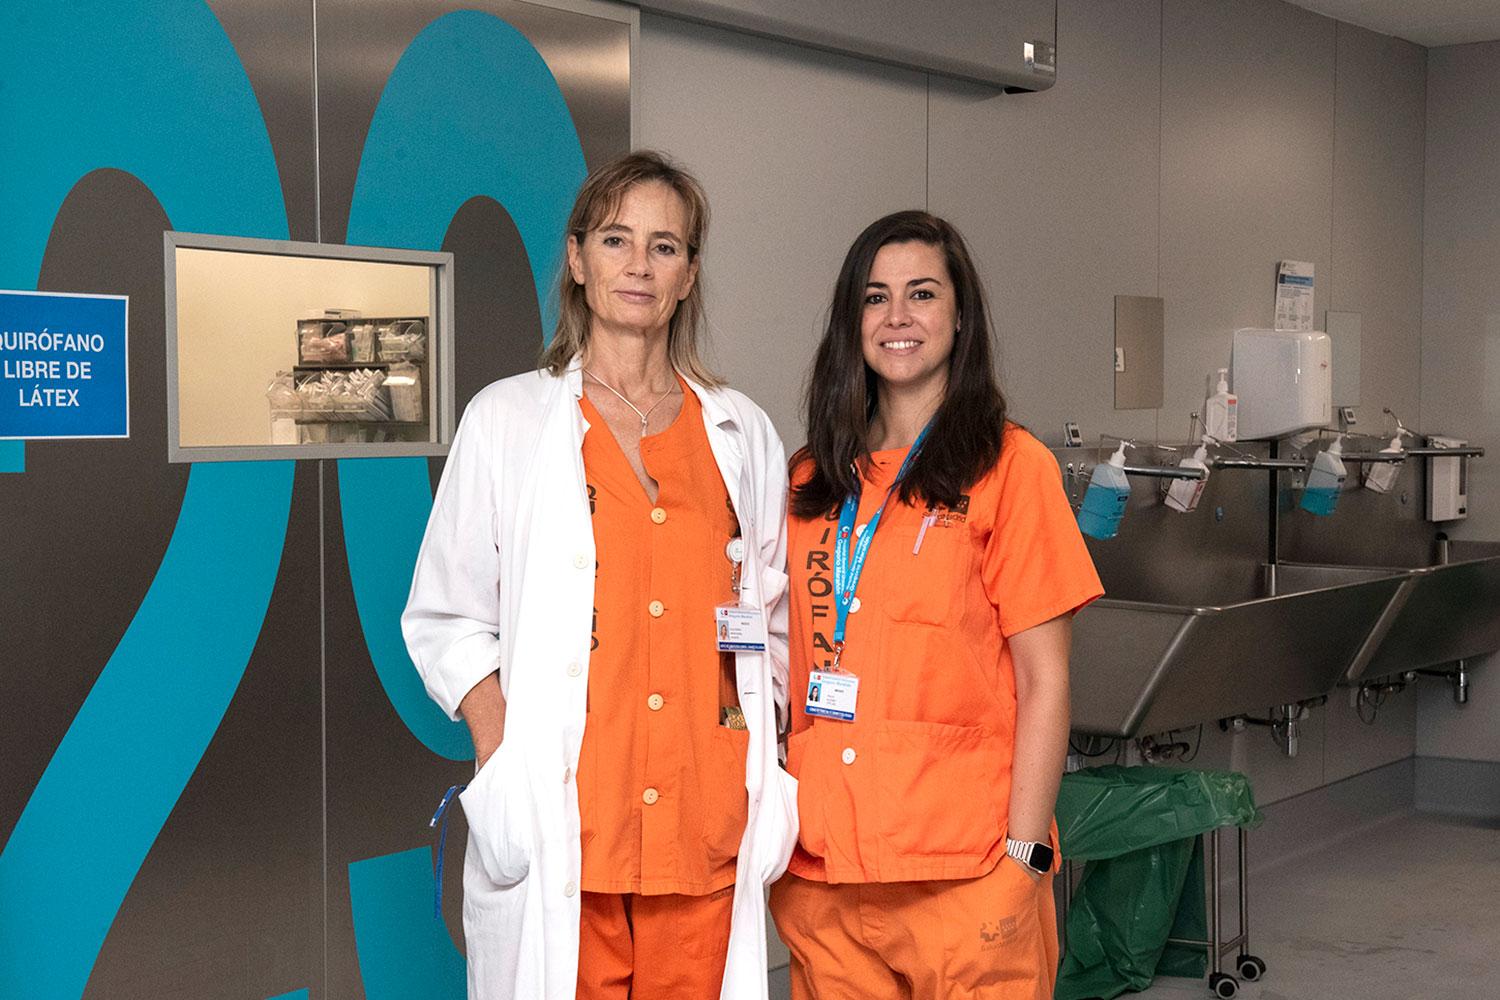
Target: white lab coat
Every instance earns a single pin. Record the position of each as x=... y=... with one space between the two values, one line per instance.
x=505 y=582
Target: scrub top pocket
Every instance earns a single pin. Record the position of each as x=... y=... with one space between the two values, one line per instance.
x=927 y=581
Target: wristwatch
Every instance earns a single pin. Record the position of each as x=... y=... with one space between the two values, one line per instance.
x=1037 y=857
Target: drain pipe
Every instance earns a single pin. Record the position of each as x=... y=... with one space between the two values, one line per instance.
x=1273 y=521
x=1458 y=677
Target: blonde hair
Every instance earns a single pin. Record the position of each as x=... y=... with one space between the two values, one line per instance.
x=597 y=203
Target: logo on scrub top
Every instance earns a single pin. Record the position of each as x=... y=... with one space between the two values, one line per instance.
x=997 y=933
x=948 y=517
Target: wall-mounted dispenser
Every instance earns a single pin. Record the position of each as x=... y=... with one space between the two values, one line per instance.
x=1447 y=482
x=1283 y=380
x=1183 y=495
x=1381 y=476
x=1221 y=412
x=1104 y=501
x=1326 y=481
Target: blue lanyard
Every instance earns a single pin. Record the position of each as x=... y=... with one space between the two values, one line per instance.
x=846 y=571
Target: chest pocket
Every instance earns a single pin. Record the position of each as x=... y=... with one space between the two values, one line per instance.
x=928 y=582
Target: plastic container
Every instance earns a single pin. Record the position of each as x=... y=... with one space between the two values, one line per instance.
x=1104 y=501
x=1326 y=481
x=1381 y=476
x=1183 y=495
x=1221 y=411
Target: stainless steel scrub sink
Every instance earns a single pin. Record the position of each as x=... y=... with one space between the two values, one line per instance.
x=1447 y=612
x=1153 y=661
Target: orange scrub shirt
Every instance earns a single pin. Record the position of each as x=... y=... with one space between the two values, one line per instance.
x=918 y=785
x=899 y=884
x=661 y=783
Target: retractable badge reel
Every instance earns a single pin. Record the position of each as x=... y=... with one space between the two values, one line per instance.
x=737 y=628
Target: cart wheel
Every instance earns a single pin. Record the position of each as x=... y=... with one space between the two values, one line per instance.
x=1251 y=968
x=1223 y=985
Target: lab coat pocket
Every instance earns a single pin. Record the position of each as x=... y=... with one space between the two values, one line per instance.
x=938 y=777
x=781 y=800
x=772 y=586
x=501 y=817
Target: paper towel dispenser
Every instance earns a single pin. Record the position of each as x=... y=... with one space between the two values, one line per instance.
x=1009 y=44
x=1284 y=381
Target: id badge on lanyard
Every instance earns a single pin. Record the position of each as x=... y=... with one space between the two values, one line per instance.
x=738 y=628
x=834 y=693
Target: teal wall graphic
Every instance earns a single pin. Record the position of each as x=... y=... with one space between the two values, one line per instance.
x=156 y=89
x=508 y=135
x=80 y=103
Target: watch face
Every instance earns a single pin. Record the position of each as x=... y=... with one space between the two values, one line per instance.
x=1041 y=858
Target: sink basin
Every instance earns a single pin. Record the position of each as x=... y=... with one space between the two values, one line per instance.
x=1449 y=612
x=1164 y=663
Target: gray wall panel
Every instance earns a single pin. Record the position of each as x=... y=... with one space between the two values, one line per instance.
x=1354 y=745
x=1247 y=168
x=273 y=39
x=1376 y=263
x=1057 y=194
x=1461 y=336
x=799 y=151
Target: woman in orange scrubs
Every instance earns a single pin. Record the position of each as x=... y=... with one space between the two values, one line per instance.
x=935 y=567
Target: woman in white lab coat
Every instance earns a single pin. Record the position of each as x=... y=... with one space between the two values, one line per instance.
x=523 y=622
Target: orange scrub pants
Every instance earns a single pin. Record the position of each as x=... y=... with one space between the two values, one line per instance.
x=992 y=937
x=670 y=947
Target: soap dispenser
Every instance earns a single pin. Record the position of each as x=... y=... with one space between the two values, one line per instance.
x=1184 y=494
x=1221 y=412
x=1381 y=476
x=1326 y=480
x=1104 y=501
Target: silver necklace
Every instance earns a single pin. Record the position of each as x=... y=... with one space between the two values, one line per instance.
x=628 y=403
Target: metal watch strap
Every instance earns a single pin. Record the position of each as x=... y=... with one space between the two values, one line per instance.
x=1023 y=851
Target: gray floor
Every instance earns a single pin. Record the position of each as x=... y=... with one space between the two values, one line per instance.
x=1408 y=909
x=1405 y=910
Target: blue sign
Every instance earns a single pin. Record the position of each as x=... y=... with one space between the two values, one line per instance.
x=63 y=366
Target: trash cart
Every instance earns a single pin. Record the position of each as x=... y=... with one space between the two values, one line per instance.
x=1139 y=910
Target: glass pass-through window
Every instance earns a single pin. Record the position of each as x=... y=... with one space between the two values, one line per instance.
x=277 y=349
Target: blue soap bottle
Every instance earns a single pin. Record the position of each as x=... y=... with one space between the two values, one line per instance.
x=1104 y=501
x=1326 y=480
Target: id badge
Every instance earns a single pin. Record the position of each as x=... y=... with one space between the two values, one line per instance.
x=832 y=695
x=739 y=629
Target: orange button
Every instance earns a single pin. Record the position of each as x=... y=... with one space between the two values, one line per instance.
x=655 y=702
x=649 y=796
x=657 y=608
x=658 y=515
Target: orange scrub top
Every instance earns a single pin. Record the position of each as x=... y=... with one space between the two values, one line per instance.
x=917 y=787
x=661 y=784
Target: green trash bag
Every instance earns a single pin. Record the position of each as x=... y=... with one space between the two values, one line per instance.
x=1139 y=827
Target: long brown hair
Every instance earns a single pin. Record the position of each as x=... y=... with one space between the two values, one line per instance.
x=598 y=201
x=969 y=424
